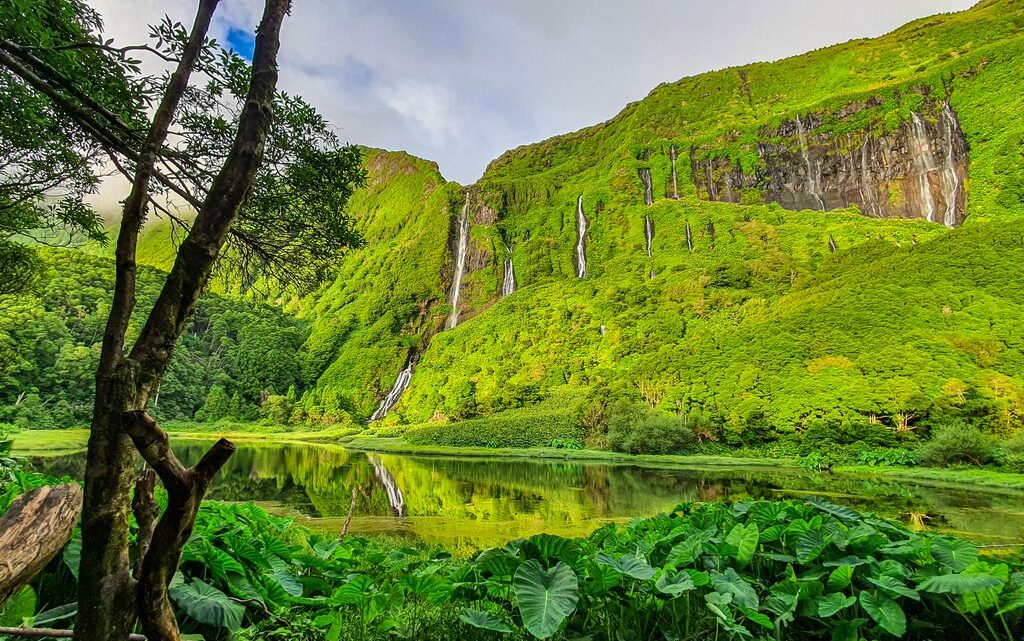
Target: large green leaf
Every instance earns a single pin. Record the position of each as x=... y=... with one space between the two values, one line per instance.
x=675 y=584
x=220 y=562
x=809 y=546
x=433 y=588
x=356 y=590
x=19 y=607
x=73 y=553
x=894 y=587
x=839 y=511
x=960 y=583
x=684 y=552
x=484 y=621
x=833 y=603
x=744 y=539
x=840 y=578
x=955 y=554
x=630 y=565
x=546 y=596
x=208 y=605
x=886 y=613
x=729 y=582
x=281 y=572
x=549 y=547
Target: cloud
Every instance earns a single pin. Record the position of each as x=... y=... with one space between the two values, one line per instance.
x=460 y=81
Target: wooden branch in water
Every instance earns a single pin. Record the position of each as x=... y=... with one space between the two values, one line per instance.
x=351 y=511
x=35 y=529
x=50 y=633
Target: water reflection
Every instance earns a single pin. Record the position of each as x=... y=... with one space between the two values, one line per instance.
x=473 y=502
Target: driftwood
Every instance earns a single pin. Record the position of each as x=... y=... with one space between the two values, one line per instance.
x=48 y=633
x=33 y=531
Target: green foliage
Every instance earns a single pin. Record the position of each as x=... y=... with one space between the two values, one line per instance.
x=635 y=428
x=957 y=442
x=512 y=429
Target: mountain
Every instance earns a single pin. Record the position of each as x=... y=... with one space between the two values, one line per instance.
x=830 y=241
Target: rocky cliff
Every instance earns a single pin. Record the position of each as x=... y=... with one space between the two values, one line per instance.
x=916 y=170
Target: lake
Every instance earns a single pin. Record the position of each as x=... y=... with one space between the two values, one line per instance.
x=465 y=503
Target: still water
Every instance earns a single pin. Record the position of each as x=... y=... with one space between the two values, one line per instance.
x=465 y=503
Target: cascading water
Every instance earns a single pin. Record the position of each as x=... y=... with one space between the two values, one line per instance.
x=951 y=184
x=394 y=493
x=645 y=177
x=924 y=161
x=649 y=233
x=813 y=177
x=401 y=383
x=582 y=226
x=508 y=283
x=831 y=244
x=460 y=265
x=689 y=237
x=866 y=183
x=675 y=182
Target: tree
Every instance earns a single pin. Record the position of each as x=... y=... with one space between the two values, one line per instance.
x=266 y=182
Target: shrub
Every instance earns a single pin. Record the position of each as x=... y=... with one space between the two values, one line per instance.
x=634 y=428
x=1010 y=453
x=957 y=442
x=510 y=429
x=888 y=456
x=7 y=432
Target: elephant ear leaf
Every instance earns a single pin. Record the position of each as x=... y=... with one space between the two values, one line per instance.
x=744 y=539
x=484 y=621
x=955 y=554
x=546 y=597
x=886 y=613
x=208 y=605
x=631 y=565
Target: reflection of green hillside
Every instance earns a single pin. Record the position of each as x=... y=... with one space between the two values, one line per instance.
x=464 y=502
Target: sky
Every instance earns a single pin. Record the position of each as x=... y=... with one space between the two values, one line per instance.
x=461 y=81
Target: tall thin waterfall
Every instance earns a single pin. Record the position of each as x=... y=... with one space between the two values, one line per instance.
x=394 y=493
x=866 y=189
x=582 y=227
x=401 y=383
x=689 y=237
x=649 y=233
x=832 y=244
x=951 y=178
x=675 y=183
x=508 y=283
x=813 y=179
x=924 y=161
x=645 y=177
x=460 y=265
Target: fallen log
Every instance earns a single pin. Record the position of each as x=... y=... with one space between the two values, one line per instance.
x=49 y=633
x=35 y=529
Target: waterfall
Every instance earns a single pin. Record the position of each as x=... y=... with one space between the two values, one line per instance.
x=460 y=265
x=582 y=226
x=675 y=182
x=711 y=231
x=689 y=237
x=866 y=189
x=951 y=186
x=651 y=275
x=394 y=493
x=924 y=160
x=712 y=187
x=508 y=283
x=813 y=179
x=396 y=392
x=645 y=176
x=831 y=244
x=603 y=330
x=649 y=233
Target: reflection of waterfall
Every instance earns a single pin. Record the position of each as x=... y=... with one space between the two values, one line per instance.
x=689 y=237
x=394 y=493
x=460 y=265
x=508 y=283
x=675 y=182
x=396 y=392
x=951 y=183
x=645 y=176
x=924 y=161
x=582 y=226
x=813 y=179
x=649 y=233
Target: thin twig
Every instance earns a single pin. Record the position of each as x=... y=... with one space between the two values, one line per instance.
x=351 y=511
x=50 y=633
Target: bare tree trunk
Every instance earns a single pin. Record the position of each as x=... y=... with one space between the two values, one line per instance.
x=35 y=529
x=105 y=583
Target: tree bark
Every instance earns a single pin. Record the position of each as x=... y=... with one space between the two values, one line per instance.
x=105 y=582
x=185 y=490
x=35 y=529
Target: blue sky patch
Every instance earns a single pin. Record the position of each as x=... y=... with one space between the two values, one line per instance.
x=242 y=42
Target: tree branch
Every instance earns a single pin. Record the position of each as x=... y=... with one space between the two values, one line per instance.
x=51 y=633
x=145 y=509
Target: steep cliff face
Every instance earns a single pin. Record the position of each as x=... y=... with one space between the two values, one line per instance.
x=916 y=170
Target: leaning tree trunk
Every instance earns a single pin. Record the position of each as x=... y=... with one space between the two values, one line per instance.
x=35 y=529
